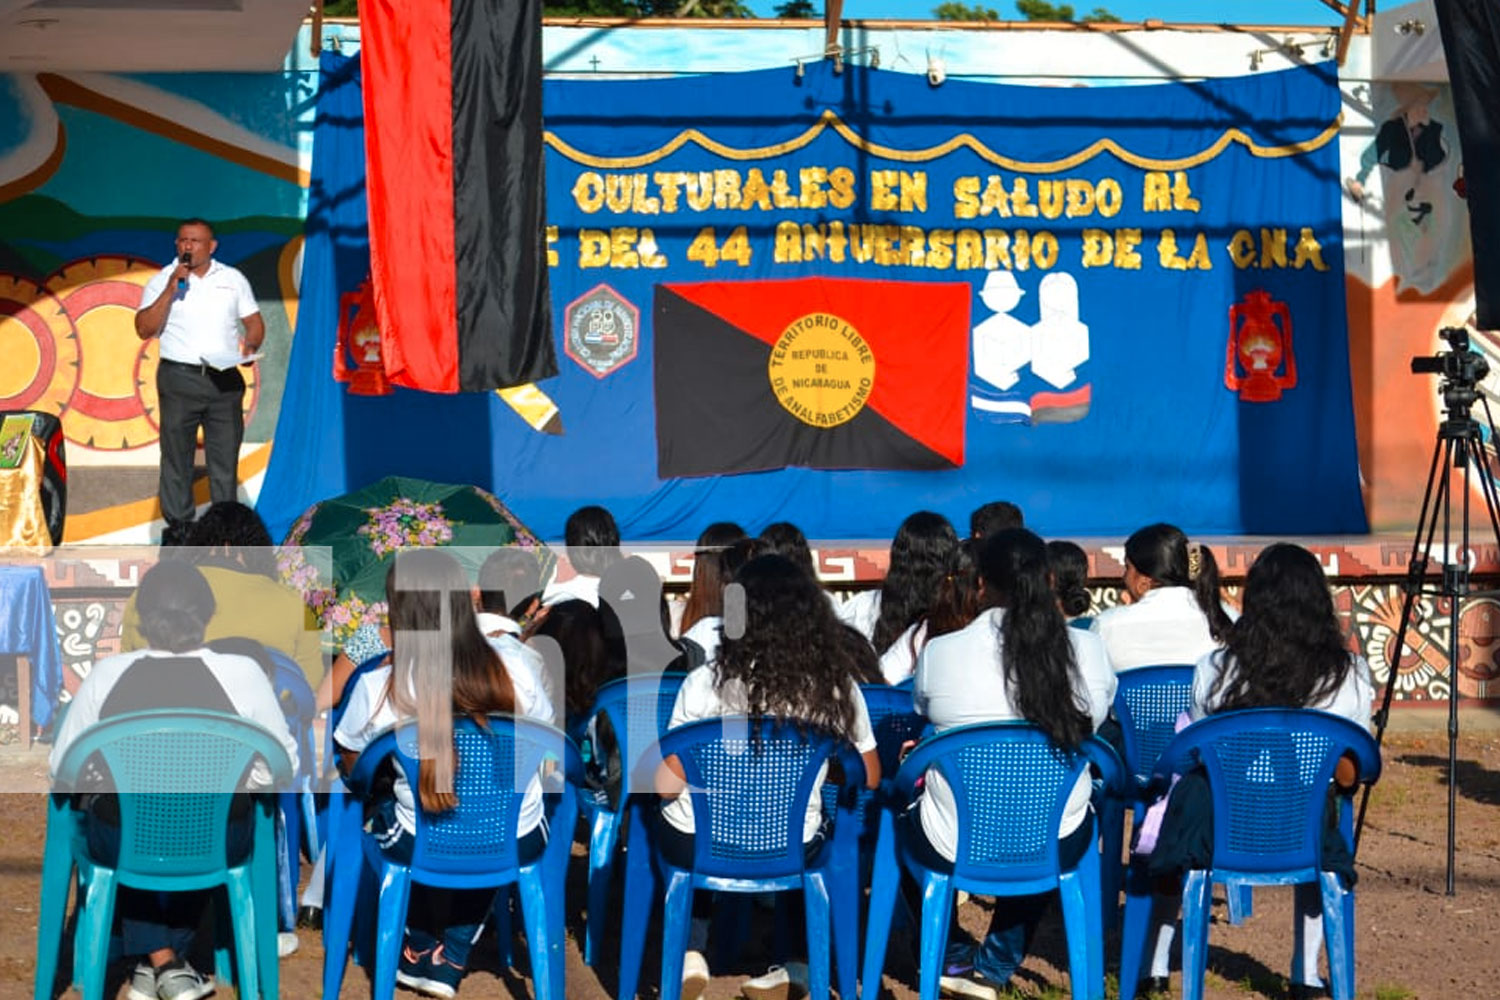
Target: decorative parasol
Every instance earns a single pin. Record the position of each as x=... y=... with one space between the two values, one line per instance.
x=337 y=553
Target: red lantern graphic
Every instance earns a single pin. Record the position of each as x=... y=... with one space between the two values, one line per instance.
x=1259 y=363
x=356 y=358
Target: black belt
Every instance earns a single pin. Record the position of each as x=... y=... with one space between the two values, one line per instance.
x=198 y=366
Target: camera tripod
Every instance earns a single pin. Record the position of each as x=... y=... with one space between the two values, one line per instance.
x=1459 y=446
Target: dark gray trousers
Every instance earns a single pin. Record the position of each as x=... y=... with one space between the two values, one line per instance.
x=191 y=396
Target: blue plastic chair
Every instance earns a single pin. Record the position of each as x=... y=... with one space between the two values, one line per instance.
x=297 y=808
x=341 y=833
x=1147 y=703
x=1269 y=771
x=472 y=846
x=638 y=709
x=749 y=785
x=1011 y=784
x=176 y=773
x=894 y=721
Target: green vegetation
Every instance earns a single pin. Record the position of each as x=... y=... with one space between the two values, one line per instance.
x=953 y=11
x=1030 y=10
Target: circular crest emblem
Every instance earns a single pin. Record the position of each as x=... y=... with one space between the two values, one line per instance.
x=821 y=370
x=603 y=330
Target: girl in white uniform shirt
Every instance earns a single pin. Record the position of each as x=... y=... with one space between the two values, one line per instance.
x=919 y=553
x=703 y=614
x=1175 y=615
x=441 y=665
x=955 y=605
x=1286 y=651
x=1018 y=660
x=787 y=664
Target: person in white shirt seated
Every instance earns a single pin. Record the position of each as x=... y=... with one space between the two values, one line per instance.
x=785 y=664
x=174 y=603
x=508 y=583
x=954 y=605
x=441 y=665
x=703 y=614
x=1018 y=660
x=1176 y=613
x=1287 y=650
x=918 y=554
x=593 y=542
x=919 y=557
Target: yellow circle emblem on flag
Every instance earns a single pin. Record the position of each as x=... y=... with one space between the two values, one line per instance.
x=821 y=370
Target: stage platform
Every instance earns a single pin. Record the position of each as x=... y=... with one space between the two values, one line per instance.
x=90 y=585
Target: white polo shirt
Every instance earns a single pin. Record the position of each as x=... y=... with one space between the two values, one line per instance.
x=961 y=680
x=1165 y=625
x=205 y=317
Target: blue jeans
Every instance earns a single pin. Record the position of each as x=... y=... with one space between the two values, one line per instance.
x=1015 y=918
x=150 y=921
x=677 y=849
x=450 y=917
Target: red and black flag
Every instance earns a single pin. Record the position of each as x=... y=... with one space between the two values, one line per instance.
x=818 y=372
x=453 y=140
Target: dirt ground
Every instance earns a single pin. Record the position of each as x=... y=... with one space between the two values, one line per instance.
x=1413 y=940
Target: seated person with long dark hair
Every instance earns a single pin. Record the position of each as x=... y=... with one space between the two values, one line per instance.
x=1286 y=651
x=787 y=664
x=441 y=666
x=173 y=606
x=1018 y=660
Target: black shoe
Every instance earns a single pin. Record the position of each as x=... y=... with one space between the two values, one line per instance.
x=175 y=533
x=1154 y=986
x=310 y=917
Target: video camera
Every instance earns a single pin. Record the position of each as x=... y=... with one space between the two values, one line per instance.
x=1461 y=366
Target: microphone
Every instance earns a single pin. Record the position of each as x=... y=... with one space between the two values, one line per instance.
x=187 y=258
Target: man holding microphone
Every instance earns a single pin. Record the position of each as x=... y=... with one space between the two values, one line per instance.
x=197 y=305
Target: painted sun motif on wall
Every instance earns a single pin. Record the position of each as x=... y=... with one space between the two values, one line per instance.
x=76 y=353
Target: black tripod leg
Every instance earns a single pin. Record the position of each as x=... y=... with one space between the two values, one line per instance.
x=1433 y=501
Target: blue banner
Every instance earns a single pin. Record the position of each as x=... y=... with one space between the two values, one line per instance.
x=1155 y=328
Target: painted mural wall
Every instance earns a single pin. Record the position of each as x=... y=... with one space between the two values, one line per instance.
x=95 y=169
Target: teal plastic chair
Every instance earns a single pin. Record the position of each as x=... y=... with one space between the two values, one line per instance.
x=176 y=773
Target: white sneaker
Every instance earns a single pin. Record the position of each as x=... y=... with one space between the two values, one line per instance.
x=971 y=984
x=286 y=944
x=180 y=981
x=694 y=975
x=781 y=982
x=142 y=983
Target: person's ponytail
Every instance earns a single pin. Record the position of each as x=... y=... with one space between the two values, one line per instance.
x=1038 y=663
x=1203 y=572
